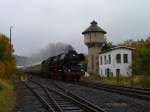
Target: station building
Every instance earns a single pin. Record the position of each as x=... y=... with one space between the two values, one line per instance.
x=116 y=61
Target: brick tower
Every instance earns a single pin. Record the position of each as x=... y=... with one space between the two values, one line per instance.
x=94 y=39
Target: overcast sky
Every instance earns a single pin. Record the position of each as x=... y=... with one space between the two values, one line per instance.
x=39 y=22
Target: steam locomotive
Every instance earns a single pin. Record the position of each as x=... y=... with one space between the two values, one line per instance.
x=65 y=66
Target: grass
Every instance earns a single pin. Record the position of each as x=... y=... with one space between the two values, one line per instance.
x=143 y=81
x=134 y=81
x=7 y=98
x=7 y=93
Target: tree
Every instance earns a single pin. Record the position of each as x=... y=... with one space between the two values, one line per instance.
x=107 y=45
x=141 y=54
x=7 y=61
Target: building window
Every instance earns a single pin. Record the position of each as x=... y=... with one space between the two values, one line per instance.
x=108 y=72
x=105 y=60
x=125 y=58
x=109 y=59
x=118 y=58
x=101 y=60
x=117 y=72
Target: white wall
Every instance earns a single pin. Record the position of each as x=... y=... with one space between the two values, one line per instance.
x=124 y=67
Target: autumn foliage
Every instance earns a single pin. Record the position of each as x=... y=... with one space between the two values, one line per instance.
x=141 y=56
x=7 y=60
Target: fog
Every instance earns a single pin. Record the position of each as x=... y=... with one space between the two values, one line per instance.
x=36 y=23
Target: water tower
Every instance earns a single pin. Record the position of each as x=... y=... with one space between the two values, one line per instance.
x=94 y=39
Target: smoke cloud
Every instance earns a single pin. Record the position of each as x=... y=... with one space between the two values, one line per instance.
x=52 y=49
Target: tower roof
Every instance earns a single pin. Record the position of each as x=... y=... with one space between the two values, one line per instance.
x=93 y=28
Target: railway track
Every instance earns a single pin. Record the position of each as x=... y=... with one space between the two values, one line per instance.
x=140 y=93
x=57 y=99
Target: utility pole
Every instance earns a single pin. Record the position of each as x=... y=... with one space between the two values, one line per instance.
x=10 y=39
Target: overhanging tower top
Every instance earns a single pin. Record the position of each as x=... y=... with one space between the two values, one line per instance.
x=94 y=28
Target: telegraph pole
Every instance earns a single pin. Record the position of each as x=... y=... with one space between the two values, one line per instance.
x=10 y=39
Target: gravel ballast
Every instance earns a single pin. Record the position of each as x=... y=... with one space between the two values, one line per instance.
x=111 y=102
x=26 y=101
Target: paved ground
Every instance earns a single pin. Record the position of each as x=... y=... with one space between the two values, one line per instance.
x=26 y=101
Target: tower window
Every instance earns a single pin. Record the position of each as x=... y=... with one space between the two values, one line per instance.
x=92 y=61
x=118 y=58
x=125 y=58
x=96 y=63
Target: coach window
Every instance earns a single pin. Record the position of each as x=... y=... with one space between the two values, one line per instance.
x=118 y=58
x=125 y=58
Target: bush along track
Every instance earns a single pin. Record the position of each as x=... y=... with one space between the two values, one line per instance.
x=7 y=99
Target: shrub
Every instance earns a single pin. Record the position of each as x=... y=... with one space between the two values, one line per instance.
x=145 y=81
x=7 y=99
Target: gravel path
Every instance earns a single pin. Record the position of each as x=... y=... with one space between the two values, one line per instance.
x=111 y=102
x=26 y=101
